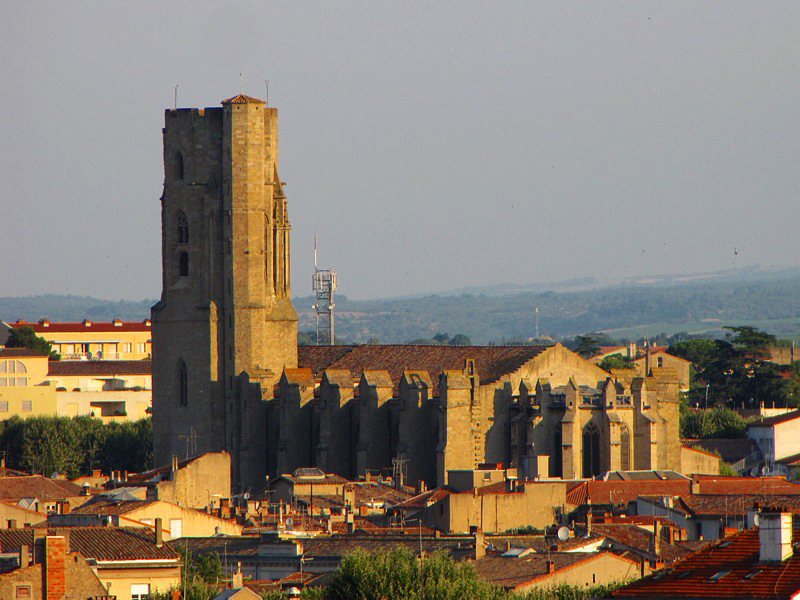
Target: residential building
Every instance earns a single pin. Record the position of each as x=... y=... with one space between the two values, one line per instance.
x=48 y=570
x=755 y=563
x=777 y=437
x=178 y=521
x=88 y=340
x=131 y=562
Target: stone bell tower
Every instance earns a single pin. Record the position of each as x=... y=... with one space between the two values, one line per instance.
x=225 y=327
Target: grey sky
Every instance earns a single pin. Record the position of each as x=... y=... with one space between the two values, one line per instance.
x=430 y=145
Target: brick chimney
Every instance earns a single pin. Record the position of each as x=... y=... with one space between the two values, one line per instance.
x=55 y=567
x=774 y=535
x=551 y=567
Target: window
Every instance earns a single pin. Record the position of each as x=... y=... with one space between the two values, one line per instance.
x=4 y=406
x=141 y=348
x=178 y=165
x=140 y=591
x=183 y=264
x=591 y=451
x=183 y=383
x=23 y=591
x=175 y=528
x=126 y=346
x=27 y=406
x=12 y=367
x=183 y=228
x=660 y=361
x=718 y=576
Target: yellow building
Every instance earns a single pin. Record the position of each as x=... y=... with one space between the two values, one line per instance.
x=112 y=390
x=87 y=340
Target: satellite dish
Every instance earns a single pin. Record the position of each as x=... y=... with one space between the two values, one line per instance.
x=765 y=470
x=289 y=522
x=563 y=533
x=247 y=495
x=756 y=519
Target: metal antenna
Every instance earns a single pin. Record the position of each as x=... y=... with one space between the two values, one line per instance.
x=323 y=282
x=176 y=97
x=266 y=89
x=537 y=322
x=241 y=85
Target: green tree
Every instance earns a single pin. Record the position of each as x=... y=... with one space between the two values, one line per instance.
x=586 y=345
x=616 y=361
x=400 y=575
x=25 y=337
x=460 y=339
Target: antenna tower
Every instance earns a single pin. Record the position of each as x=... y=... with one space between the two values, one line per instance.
x=324 y=284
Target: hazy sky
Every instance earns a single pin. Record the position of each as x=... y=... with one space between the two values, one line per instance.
x=429 y=145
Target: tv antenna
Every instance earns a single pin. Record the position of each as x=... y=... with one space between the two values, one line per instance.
x=266 y=92
x=536 y=312
x=175 y=105
x=324 y=284
x=191 y=441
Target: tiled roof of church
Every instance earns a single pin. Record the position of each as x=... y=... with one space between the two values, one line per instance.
x=491 y=362
x=242 y=99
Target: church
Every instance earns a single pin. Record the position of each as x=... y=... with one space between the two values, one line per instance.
x=228 y=373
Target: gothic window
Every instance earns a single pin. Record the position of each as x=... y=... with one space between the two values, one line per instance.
x=625 y=448
x=183 y=383
x=183 y=264
x=557 y=458
x=183 y=228
x=178 y=166
x=591 y=451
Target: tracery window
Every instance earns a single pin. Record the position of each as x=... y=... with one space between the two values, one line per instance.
x=183 y=228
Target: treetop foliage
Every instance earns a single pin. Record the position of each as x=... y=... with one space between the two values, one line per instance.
x=75 y=446
x=25 y=337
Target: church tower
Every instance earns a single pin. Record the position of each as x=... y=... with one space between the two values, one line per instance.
x=225 y=327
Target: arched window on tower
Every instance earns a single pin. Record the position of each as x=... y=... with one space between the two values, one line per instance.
x=183 y=264
x=178 y=166
x=591 y=451
x=183 y=228
x=183 y=384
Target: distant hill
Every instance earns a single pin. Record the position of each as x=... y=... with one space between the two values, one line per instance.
x=72 y=308
x=702 y=303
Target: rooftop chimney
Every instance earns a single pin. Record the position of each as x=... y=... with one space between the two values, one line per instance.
x=174 y=465
x=551 y=566
x=159 y=532
x=55 y=567
x=774 y=536
x=480 y=549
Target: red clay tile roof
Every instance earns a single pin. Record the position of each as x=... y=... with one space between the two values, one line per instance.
x=639 y=539
x=425 y=499
x=512 y=572
x=81 y=326
x=100 y=543
x=747 y=577
x=36 y=486
x=622 y=492
x=19 y=353
x=102 y=368
x=102 y=506
x=242 y=99
x=491 y=362
x=776 y=420
x=719 y=484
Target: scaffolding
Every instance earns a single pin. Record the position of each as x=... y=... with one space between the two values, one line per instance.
x=324 y=285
